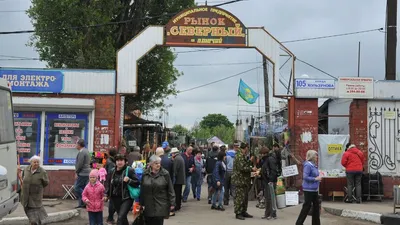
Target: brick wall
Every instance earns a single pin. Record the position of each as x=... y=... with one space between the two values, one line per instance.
x=57 y=179
x=388 y=183
x=306 y=126
x=104 y=110
x=358 y=124
x=305 y=130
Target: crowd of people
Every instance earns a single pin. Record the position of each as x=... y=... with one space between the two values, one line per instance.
x=161 y=182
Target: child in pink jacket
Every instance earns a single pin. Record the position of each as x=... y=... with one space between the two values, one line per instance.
x=93 y=197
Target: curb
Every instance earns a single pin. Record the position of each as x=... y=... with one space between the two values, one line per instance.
x=387 y=219
x=52 y=218
x=359 y=215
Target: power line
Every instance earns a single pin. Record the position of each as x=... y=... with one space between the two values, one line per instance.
x=218 y=49
x=334 y=35
x=201 y=50
x=214 y=82
x=217 y=64
x=86 y=26
x=309 y=64
x=229 y=2
x=12 y=11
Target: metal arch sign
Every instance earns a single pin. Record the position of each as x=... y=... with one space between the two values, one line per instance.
x=205 y=26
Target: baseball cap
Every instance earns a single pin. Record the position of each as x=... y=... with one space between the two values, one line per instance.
x=165 y=144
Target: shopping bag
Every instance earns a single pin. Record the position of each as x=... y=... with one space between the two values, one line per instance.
x=134 y=192
x=139 y=220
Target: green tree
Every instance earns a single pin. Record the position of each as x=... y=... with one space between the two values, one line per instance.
x=181 y=130
x=226 y=134
x=215 y=120
x=67 y=36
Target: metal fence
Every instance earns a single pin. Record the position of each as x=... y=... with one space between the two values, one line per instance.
x=396 y=198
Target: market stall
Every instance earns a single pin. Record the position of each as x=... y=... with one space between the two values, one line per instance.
x=330 y=152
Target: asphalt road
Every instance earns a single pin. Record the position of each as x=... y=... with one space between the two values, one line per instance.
x=199 y=213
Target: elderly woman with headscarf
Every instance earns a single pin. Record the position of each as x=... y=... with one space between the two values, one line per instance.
x=311 y=180
x=34 y=181
x=157 y=196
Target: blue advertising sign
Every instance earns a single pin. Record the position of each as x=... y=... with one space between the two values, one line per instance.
x=311 y=84
x=63 y=130
x=37 y=81
x=27 y=133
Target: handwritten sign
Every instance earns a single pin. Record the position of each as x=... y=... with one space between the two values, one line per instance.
x=39 y=81
x=205 y=26
x=289 y=171
x=292 y=197
x=335 y=149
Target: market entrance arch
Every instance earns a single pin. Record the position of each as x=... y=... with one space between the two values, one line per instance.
x=205 y=27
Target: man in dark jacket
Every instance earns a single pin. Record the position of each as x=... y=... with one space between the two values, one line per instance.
x=269 y=174
x=82 y=170
x=210 y=164
x=277 y=151
x=134 y=155
x=179 y=178
x=166 y=162
x=110 y=166
x=189 y=165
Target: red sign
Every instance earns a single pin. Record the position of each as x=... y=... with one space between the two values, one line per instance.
x=205 y=26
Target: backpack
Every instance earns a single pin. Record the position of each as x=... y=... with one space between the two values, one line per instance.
x=210 y=162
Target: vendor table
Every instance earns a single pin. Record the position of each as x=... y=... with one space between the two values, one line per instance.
x=332 y=187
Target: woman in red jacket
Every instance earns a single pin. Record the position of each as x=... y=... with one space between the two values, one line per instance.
x=353 y=160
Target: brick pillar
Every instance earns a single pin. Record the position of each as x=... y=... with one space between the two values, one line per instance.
x=304 y=130
x=306 y=126
x=358 y=125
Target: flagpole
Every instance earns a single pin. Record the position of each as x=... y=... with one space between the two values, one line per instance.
x=258 y=90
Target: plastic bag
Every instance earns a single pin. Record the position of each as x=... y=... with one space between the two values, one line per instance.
x=280 y=187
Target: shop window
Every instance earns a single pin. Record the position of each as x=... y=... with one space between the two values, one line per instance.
x=27 y=134
x=6 y=126
x=62 y=132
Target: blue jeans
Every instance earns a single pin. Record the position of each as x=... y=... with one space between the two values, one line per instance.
x=187 y=188
x=196 y=189
x=219 y=193
x=79 y=185
x=95 y=218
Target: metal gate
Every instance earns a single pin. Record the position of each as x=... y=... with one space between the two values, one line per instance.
x=383 y=136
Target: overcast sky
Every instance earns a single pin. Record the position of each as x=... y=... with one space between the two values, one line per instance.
x=286 y=20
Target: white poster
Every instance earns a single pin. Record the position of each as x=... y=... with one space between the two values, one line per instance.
x=105 y=139
x=289 y=171
x=292 y=197
x=331 y=149
x=356 y=87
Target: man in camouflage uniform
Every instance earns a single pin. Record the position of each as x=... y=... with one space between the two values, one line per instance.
x=241 y=178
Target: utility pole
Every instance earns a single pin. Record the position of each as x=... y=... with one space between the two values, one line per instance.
x=391 y=39
x=266 y=87
x=359 y=58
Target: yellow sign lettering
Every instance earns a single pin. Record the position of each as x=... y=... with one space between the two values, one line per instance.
x=335 y=149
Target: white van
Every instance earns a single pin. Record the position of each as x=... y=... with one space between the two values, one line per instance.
x=9 y=197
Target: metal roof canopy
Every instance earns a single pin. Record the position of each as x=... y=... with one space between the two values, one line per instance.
x=255 y=37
